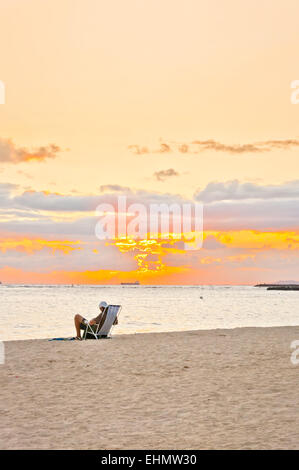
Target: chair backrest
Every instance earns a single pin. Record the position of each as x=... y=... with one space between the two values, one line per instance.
x=111 y=313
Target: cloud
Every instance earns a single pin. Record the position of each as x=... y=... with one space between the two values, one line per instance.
x=45 y=232
x=163 y=174
x=137 y=149
x=233 y=205
x=70 y=215
x=256 y=147
x=7 y=188
x=268 y=214
x=234 y=190
x=198 y=146
x=9 y=152
x=227 y=206
x=141 y=150
x=211 y=243
x=40 y=200
x=44 y=258
x=114 y=187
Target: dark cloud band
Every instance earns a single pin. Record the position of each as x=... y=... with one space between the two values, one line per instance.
x=198 y=146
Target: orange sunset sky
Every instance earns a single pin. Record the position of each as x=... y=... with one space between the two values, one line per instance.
x=165 y=101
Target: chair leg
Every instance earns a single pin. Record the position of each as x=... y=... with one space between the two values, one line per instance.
x=91 y=332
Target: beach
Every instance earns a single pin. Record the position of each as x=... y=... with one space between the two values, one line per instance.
x=209 y=389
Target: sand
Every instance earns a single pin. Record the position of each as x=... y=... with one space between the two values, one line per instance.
x=219 y=389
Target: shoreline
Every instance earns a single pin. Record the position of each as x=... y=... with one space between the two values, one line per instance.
x=234 y=388
x=118 y=335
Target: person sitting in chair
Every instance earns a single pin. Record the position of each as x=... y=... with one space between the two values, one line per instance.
x=81 y=322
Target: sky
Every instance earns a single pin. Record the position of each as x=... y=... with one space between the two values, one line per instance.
x=172 y=101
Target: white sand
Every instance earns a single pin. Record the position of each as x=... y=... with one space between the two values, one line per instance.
x=220 y=389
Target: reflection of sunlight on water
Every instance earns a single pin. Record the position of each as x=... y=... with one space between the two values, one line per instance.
x=47 y=311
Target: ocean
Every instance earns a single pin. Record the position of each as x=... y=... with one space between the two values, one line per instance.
x=46 y=311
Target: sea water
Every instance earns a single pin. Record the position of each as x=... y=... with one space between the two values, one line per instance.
x=44 y=311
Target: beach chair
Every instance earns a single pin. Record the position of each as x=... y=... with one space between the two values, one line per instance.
x=104 y=328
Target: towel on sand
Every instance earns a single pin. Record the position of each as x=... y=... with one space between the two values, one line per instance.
x=63 y=339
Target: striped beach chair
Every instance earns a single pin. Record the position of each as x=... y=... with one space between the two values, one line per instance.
x=104 y=328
